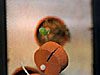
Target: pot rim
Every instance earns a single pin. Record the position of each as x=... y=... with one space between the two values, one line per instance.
x=43 y=19
x=27 y=67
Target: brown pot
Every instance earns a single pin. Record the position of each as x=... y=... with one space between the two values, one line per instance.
x=19 y=71
x=51 y=58
x=44 y=19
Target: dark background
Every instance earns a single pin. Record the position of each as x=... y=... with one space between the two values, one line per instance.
x=3 y=42
x=96 y=37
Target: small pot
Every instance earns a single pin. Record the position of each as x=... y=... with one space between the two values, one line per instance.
x=51 y=58
x=20 y=71
x=49 y=18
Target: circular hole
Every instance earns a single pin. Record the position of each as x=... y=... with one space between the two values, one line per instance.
x=59 y=32
x=20 y=71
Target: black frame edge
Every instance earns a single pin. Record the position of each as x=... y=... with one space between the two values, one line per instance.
x=3 y=39
x=96 y=35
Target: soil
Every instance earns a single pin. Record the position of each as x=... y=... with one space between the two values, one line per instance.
x=59 y=33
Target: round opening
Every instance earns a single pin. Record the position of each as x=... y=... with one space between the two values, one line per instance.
x=59 y=32
x=20 y=71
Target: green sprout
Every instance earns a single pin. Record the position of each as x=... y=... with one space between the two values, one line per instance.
x=43 y=31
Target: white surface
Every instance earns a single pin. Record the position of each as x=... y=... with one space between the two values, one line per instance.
x=22 y=18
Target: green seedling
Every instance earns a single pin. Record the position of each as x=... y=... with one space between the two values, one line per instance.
x=44 y=32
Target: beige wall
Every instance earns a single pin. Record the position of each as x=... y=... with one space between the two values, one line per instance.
x=22 y=18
